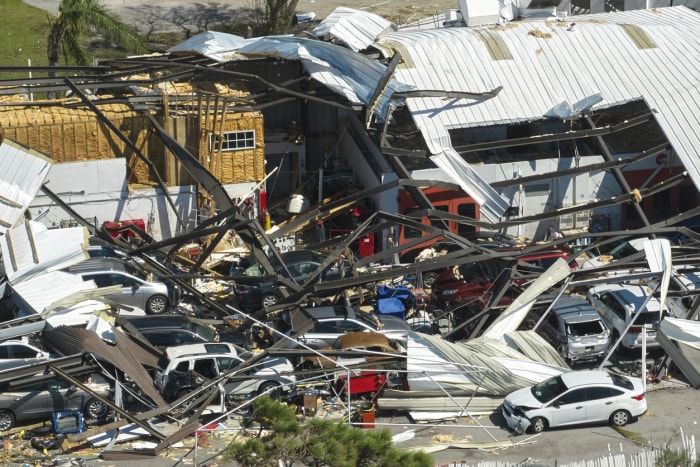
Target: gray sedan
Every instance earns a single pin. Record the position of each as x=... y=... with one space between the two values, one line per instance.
x=39 y=400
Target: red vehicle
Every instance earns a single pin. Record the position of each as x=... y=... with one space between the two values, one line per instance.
x=472 y=284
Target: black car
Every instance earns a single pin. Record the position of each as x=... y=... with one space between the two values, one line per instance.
x=254 y=292
x=320 y=327
x=169 y=330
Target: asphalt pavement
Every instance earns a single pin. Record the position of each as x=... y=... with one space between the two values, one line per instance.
x=469 y=441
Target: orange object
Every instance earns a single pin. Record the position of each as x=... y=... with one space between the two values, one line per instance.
x=368 y=419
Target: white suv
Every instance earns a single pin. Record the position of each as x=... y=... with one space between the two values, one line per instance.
x=617 y=303
x=183 y=368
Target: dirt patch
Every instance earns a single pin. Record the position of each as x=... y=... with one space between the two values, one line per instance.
x=191 y=18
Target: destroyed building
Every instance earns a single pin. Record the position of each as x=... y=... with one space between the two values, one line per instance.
x=443 y=134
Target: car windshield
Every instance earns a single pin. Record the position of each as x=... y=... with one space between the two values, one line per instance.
x=548 y=389
x=242 y=353
x=370 y=319
x=136 y=272
x=622 y=251
x=471 y=271
x=207 y=333
x=254 y=271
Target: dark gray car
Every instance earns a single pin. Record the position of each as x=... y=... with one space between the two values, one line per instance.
x=320 y=327
x=40 y=399
x=170 y=330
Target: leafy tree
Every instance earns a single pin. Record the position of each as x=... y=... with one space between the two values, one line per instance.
x=74 y=19
x=319 y=443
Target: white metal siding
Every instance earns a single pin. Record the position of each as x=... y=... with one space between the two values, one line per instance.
x=597 y=56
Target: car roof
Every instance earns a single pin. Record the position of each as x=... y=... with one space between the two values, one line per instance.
x=297 y=255
x=301 y=320
x=328 y=312
x=574 y=310
x=585 y=378
x=160 y=321
x=97 y=264
x=632 y=295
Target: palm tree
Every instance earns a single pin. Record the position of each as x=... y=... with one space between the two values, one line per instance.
x=74 y=18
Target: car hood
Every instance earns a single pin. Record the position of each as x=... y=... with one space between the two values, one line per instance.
x=523 y=398
x=392 y=324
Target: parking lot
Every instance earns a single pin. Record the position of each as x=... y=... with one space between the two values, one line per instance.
x=483 y=438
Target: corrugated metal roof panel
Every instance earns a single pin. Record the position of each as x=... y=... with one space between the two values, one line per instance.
x=355 y=28
x=32 y=249
x=22 y=173
x=41 y=291
x=346 y=72
x=219 y=46
x=652 y=55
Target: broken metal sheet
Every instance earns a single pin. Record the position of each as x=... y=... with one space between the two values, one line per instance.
x=355 y=28
x=533 y=346
x=39 y=293
x=219 y=46
x=566 y=111
x=347 y=73
x=436 y=403
x=492 y=205
x=126 y=355
x=484 y=365
x=22 y=173
x=680 y=338
x=120 y=435
x=31 y=249
x=480 y=58
x=509 y=320
x=658 y=253
x=20 y=330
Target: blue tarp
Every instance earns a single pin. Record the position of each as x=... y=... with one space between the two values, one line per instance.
x=391 y=306
x=401 y=292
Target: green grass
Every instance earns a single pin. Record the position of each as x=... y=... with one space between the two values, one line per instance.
x=23 y=34
x=23 y=37
x=632 y=436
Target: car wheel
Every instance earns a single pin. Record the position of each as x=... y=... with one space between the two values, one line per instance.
x=620 y=418
x=95 y=409
x=272 y=387
x=538 y=425
x=7 y=420
x=268 y=301
x=156 y=305
x=429 y=279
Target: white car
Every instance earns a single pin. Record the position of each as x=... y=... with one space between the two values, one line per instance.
x=184 y=368
x=573 y=398
x=617 y=303
x=682 y=290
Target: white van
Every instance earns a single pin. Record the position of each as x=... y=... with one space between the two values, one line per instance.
x=184 y=368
